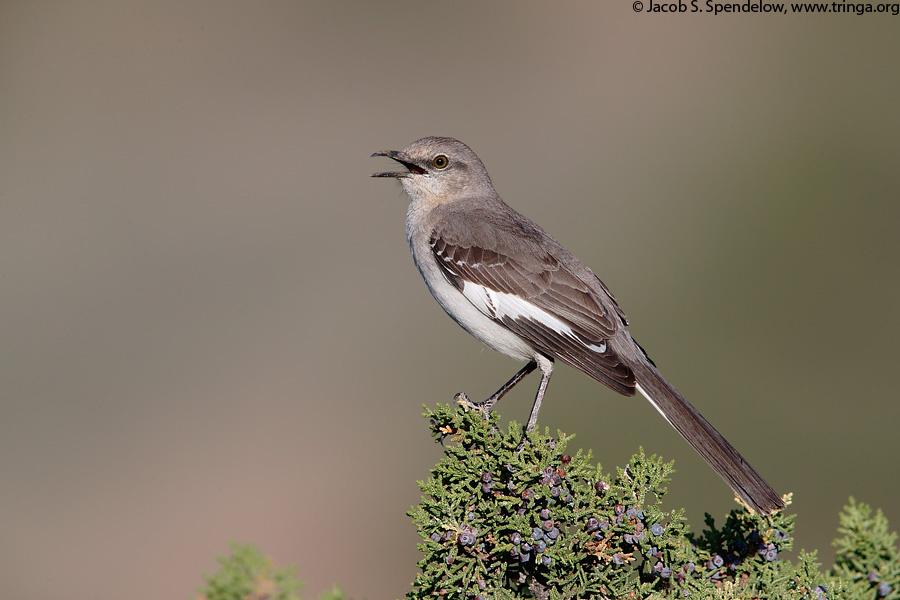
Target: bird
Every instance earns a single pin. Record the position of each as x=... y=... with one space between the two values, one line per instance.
x=511 y=285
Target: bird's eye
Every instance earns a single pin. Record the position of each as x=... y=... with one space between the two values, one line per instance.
x=440 y=161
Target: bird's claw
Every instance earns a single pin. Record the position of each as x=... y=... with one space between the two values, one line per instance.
x=483 y=407
x=522 y=443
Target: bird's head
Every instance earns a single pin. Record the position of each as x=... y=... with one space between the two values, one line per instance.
x=438 y=170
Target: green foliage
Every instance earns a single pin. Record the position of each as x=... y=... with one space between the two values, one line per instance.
x=503 y=524
x=867 y=559
x=541 y=523
x=248 y=575
x=335 y=593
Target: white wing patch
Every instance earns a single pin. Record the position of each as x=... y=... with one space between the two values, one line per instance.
x=499 y=304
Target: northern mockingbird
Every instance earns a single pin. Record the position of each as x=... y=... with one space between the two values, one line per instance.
x=511 y=285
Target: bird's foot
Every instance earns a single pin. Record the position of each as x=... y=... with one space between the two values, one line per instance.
x=522 y=443
x=483 y=407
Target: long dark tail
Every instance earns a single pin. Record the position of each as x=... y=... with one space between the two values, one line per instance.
x=709 y=443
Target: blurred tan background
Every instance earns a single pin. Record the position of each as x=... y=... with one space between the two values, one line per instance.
x=212 y=329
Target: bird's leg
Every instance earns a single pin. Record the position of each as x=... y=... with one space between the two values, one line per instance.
x=484 y=407
x=546 y=371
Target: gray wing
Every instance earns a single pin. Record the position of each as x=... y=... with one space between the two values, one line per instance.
x=519 y=276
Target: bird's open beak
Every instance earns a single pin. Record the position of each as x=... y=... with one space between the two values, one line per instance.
x=403 y=160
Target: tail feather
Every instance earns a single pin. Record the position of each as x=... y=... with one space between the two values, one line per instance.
x=709 y=443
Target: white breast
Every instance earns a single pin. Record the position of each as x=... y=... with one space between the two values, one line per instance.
x=460 y=308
